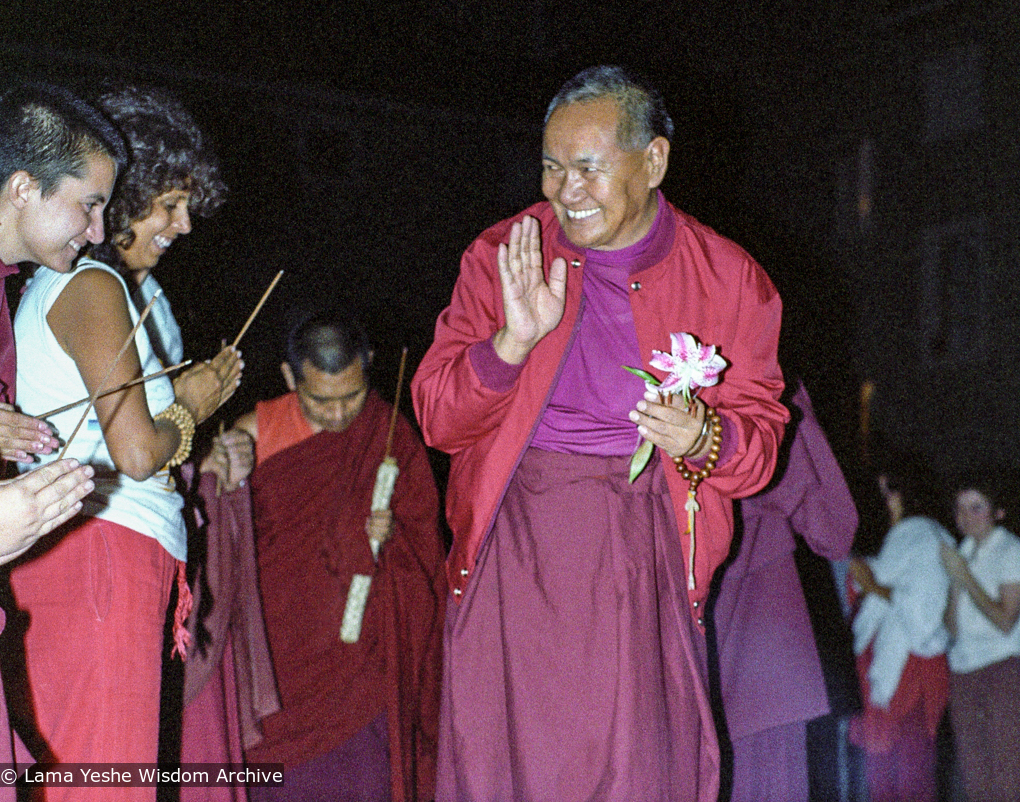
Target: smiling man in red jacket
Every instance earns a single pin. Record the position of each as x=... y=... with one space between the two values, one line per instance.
x=574 y=651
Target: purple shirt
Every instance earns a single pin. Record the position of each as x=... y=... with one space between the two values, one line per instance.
x=587 y=413
x=588 y=410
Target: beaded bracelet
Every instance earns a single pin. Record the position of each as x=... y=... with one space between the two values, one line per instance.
x=695 y=478
x=181 y=417
x=713 y=424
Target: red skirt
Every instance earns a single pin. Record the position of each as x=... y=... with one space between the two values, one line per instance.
x=97 y=604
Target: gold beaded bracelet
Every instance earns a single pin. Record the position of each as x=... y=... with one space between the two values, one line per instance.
x=695 y=478
x=181 y=417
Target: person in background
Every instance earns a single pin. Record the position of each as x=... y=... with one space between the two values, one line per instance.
x=359 y=708
x=770 y=676
x=984 y=658
x=900 y=643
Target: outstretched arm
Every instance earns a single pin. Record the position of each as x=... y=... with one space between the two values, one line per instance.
x=504 y=305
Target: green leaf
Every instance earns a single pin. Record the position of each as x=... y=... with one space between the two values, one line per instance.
x=642 y=454
x=644 y=374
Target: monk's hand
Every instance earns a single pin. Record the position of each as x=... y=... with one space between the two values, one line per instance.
x=22 y=437
x=672 y=425
x=37 y=502
x=231 y=458
x=379 y=526
x=532 y=306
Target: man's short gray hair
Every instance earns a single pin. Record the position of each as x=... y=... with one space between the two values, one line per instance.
x=644 y=114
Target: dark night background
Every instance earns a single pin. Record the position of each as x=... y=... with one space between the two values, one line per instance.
x=366 y=144
x=864 y=151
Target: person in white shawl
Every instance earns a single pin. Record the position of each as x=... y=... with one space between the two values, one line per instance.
x=900 y=641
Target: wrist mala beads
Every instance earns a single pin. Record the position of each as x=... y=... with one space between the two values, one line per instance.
x=713 y=425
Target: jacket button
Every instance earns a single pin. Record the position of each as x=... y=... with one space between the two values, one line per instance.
x=457 y=591
x=701 y=621
x=463 y=571
x=575 y=263
x=696 y=604
x=636 y=286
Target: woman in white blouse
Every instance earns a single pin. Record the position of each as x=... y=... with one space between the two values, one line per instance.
x=982 y=616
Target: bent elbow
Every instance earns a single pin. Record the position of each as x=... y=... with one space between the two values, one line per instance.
x=136 y=463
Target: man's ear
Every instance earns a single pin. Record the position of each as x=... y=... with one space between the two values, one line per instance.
x=657 y=154
x=288 y=376
x=19 y=188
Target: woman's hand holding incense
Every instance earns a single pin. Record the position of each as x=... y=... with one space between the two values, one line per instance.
x=203 y=388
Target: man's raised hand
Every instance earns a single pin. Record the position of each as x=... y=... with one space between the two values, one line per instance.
x=532 y=306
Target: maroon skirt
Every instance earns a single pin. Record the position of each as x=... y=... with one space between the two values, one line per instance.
x=573 y=668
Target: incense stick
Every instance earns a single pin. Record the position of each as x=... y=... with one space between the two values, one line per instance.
x=219 y=481
x=396 y=401
x=258 y=307
x=124 y=386
x=120 y=353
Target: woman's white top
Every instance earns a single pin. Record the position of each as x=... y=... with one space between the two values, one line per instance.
x=161 y=325
x=48 y=378
x=978 y=642
x=910 y=622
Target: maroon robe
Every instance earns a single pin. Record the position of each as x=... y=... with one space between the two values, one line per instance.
x=311 y=501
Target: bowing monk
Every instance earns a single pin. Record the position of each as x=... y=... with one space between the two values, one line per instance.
x=358 y=720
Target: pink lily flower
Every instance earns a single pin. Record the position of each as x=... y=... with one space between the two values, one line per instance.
x=690 y=366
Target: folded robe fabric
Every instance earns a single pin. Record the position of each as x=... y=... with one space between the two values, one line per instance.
x=227 y=606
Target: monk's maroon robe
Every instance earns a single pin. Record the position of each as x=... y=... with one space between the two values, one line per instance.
x=310 y=504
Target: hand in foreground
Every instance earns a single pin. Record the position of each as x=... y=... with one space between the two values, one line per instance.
x=204 y=387
x=379 y=526
x=532 y=307
x=37 y=502
x=672 y=426
x=21 y=437
x=232 y=458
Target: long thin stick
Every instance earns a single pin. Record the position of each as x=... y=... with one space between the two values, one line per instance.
x=396 y=400
x=120 y=353
x=124 y=386
x=219 y=481
x=258 y=307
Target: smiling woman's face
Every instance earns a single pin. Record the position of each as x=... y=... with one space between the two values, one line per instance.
x=975 y=514
x=166 y=220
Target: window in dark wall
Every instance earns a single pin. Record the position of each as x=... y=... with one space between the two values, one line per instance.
x=954 y=299
x=952 y=94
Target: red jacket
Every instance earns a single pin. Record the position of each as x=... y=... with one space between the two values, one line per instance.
x=705 y=285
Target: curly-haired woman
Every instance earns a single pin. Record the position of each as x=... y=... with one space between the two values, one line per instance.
x=97 y=593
